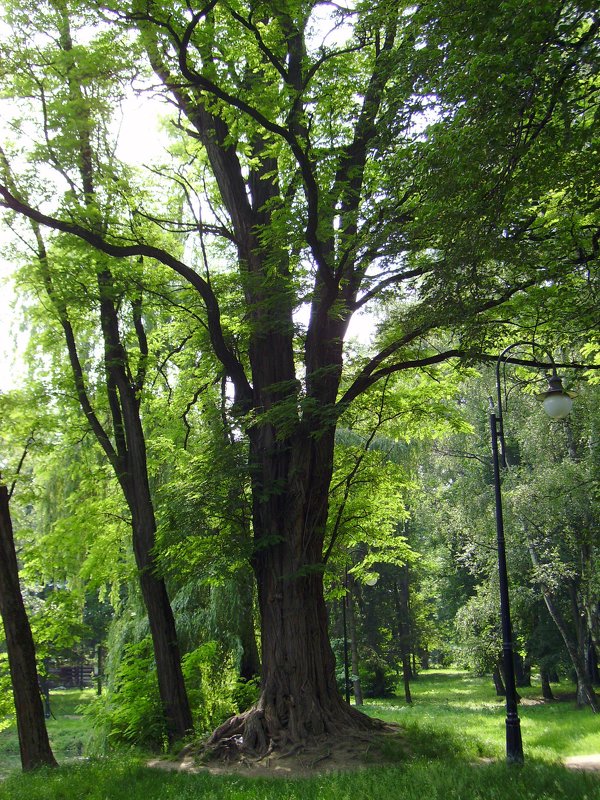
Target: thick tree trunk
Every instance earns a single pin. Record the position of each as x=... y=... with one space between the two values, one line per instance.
x=31 y=726
x=299 y=699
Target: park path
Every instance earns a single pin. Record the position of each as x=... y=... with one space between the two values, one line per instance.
x=587 y=763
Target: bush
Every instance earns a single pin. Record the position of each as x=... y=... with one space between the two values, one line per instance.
x=130 y=712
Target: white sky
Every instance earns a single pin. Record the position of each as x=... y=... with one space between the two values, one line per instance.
x=141 y=141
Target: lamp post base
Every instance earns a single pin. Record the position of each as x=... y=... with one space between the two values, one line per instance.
x=514 y=743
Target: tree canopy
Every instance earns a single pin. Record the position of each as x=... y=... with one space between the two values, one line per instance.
x=432 y=166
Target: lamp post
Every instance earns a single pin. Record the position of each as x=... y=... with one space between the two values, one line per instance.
x=557 y=404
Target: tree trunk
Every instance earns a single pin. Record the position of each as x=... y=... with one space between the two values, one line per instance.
x=171 y=685
x=585 y=692
x=31 y=726
x=358 y=696
x=545 y=681
x=498 y=682
x=401 y=594
x=591 y=663
x=299 y=696
x=522 y=671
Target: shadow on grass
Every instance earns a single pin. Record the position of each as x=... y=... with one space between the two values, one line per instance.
x=411 y=780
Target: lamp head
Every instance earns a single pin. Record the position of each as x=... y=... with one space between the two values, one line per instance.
x=556 y=401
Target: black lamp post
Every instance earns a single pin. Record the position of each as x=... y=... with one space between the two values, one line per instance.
x=557 y=404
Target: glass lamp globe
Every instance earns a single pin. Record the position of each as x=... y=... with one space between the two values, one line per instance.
x=556 y=401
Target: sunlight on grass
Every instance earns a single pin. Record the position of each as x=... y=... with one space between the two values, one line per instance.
x=454 y=726
x=467 y=710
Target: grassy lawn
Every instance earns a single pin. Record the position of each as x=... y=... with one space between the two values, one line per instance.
x=454 y=725
x=461 y=714
x=68 y=730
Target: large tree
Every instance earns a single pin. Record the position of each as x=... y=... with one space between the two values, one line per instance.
x=434 y=162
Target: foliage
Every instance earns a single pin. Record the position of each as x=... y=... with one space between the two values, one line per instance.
x=434 y=166
x=129 y=712
x=132 y=714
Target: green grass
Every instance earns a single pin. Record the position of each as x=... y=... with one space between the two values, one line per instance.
x=68 y=730
x=455 y=720
x=459 y=713
x=125 y=780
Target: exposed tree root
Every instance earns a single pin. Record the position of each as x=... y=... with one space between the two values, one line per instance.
x=350 y=747
x=258 y=737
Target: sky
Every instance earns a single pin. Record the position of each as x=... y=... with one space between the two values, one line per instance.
x=140 y=142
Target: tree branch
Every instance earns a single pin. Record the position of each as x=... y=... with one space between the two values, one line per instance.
x=232 y=365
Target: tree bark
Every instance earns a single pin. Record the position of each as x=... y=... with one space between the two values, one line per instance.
x=34 y=745
x=545 y=681
x=401 y=594
x=585 y=691
x=173 y=695
x=522 y=671
x=498 y=682
x=250 y=660
x=126 y=450
x=299 y=697
x=356 y=687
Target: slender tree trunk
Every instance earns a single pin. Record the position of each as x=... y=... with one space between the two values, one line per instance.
x=173 y=695
x=357 y=690
x=401 y=594
x=585 y=691
x=545 y=681
x=31 y=726
x=126 y=450
x=498 y=682
x=522 y=671
x=591 y=663
x=379 y=686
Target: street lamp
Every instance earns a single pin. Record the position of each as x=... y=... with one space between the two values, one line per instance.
x=557 y=404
